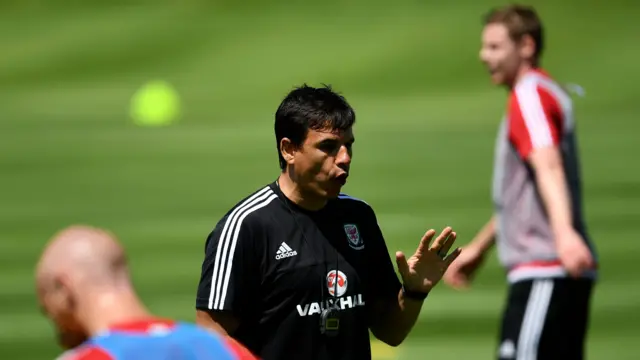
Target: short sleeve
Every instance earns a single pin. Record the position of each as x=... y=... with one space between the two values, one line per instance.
x=381 y=271
x=239 y=351
x=535 y=119
x=86 y=352
x=230 y=266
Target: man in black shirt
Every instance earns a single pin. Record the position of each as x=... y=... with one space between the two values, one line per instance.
x=298 y=270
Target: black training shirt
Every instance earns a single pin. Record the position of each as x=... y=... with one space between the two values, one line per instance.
x=275 y=265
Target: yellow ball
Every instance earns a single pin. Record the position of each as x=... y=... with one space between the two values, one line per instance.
x=155 y=104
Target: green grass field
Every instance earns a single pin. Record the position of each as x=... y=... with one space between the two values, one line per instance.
x=427 y=117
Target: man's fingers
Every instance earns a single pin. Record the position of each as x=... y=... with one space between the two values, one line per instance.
x=439 y=242
x=586 y=264
x=582 y=264
x=575 y=272
x=457 y=281
x=447 y=244
x=590 y=262
x=460 y=283
x=577 y=269
x=426 y=239
x=572 y=268
x=452 y=257
x=403 y=266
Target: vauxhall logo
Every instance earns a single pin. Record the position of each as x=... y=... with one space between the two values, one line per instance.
x=342 y=303
x=337 y=285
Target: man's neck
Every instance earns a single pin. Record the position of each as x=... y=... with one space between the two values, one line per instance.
x=522 y=71
x=294 y=193
x=111 y=308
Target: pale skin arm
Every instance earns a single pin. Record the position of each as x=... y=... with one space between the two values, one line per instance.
x=461 y=272
x=551 y=180
x=486 y=237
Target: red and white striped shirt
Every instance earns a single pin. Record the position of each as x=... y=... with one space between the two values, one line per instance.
x=539 y=115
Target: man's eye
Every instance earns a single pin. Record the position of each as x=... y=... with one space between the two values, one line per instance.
x=328 y=146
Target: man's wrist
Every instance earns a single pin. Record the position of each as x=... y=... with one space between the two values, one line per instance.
x=414 y=295
x=560 y=230
x=478 y=249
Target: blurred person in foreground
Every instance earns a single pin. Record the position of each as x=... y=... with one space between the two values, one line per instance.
x=538 y=224
x=84 y=287
x=299 y=270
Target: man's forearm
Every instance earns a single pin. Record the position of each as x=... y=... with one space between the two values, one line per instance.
x=409 y=313
x=398 y=320
x=551 y=182
x=485 y=238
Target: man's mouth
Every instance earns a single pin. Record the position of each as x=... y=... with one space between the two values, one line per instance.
x=342 y=178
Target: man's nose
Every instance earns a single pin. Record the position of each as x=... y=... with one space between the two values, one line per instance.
x=344 y=156
x=483 y=55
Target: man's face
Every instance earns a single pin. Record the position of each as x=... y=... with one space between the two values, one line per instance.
x=57 y=305
x=322 y=162
x=500 y=54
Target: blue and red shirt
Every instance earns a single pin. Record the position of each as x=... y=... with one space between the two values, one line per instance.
x=158 y=339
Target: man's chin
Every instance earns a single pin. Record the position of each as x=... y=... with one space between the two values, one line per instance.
x=333 y=195
x=328 y=190
x=497 y=79
x=71 y=340
x=333 y=192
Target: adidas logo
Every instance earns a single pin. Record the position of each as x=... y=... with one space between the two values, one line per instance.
x=285 y=251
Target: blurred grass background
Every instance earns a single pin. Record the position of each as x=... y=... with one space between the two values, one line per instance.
x=427 y=118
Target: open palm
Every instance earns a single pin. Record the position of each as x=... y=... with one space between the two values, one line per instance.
x=424 y=269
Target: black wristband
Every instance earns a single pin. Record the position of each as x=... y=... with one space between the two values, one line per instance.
x=415 y=295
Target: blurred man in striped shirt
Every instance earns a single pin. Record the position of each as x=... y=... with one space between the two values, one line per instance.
x=538 y=222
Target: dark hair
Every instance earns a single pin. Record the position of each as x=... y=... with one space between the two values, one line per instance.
x=520 y=21
x=307 y=108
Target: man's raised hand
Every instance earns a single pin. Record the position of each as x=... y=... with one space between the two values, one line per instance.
x=424 y=269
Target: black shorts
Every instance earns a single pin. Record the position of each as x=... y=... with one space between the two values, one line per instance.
x=546 y=319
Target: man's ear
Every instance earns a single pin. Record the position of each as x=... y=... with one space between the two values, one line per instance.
x=527 y=47
x=288 y=150
x=62 y=294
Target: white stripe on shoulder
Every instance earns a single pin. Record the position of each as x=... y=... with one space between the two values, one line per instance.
x=533 y=113
x=563 y=99
x=227 y=274
x=347 y=197
x=232 y=226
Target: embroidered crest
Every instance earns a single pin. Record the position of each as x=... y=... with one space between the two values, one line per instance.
x=353 y=235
